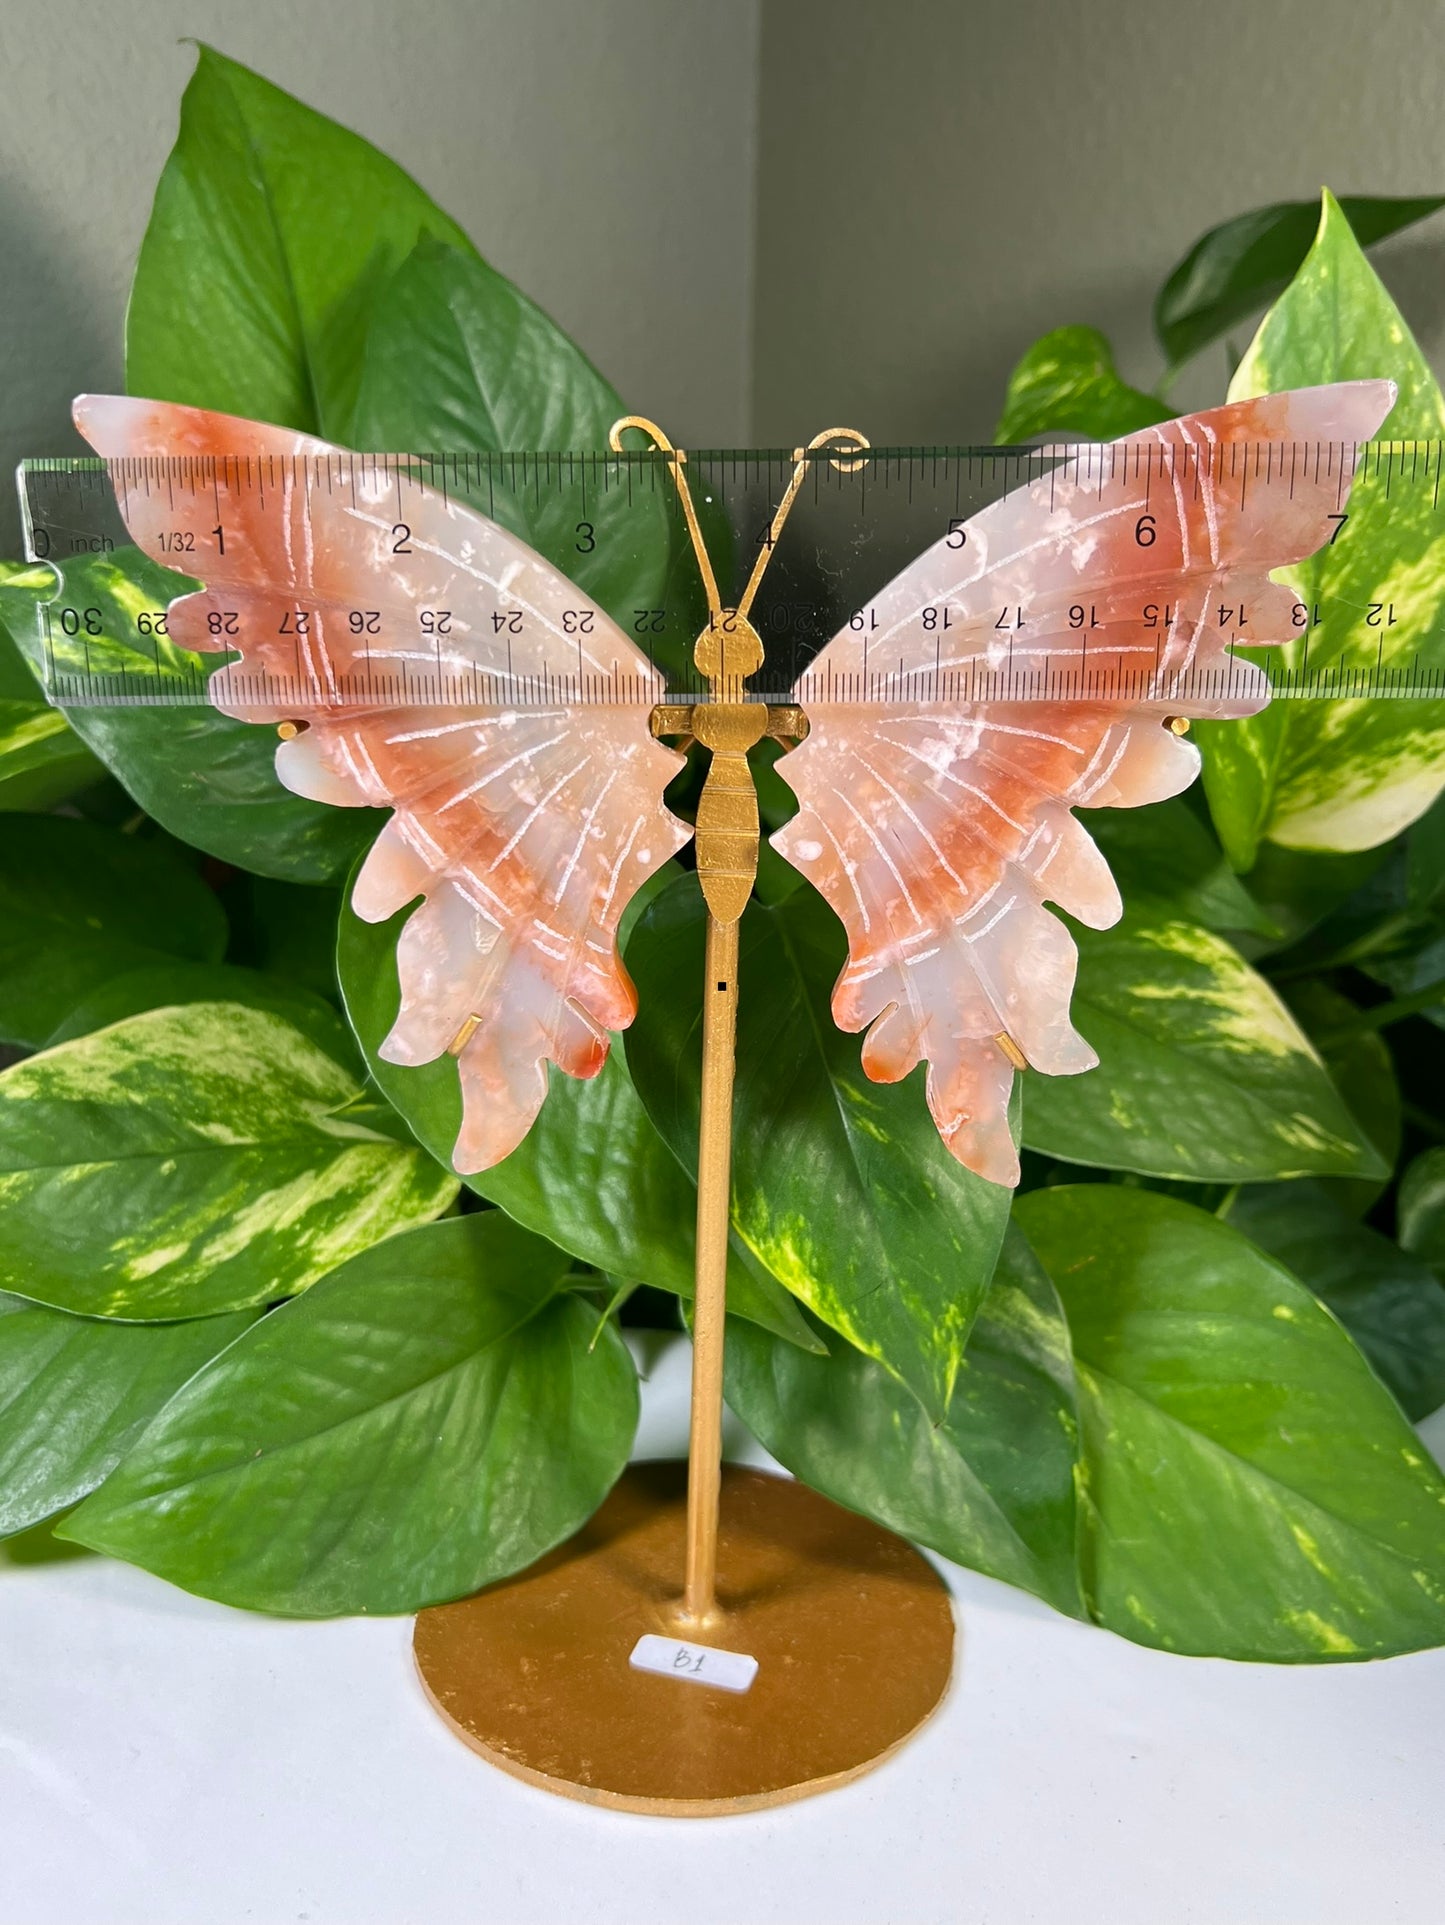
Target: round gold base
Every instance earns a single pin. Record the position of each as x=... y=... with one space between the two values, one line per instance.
x=851 y=1628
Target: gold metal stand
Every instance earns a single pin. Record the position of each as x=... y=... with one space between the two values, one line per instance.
x=851 y=1628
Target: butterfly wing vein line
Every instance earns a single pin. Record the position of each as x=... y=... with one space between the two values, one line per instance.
x=938 y=831
x=524 y=832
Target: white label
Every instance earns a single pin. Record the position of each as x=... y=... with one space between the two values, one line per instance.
x=702 y=1663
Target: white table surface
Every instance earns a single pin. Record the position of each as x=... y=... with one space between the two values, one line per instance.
x=171 y=1762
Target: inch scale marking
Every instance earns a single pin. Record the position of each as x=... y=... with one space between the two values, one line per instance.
x=100 y=643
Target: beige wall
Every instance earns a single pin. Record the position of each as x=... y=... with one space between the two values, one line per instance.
x=598 y=151
x=940 y=183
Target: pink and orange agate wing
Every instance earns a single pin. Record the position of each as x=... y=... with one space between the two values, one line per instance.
x=525 y=831
x=937 y=829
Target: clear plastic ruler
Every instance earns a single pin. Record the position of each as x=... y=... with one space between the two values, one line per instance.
x=850 y=534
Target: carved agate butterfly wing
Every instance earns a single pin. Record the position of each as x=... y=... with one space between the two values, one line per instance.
x=524 y=831
x=938 y=830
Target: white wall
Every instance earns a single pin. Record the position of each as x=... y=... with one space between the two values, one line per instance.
x=599 y=153
x=941 y=181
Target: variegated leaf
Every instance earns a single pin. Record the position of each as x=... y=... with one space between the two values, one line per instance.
x=42 y=760
x=190 y=1161
x=1345 y=775
x=207 y=778
x=1251 y=1489
x=1203 y=1073
x=1067 y=384
x=842 y=1187
x=991 y=1486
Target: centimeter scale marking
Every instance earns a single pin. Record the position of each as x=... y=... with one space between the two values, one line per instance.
x=187 y=687
x=859 y=529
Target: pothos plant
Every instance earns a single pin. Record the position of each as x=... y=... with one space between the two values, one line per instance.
x=259 y=1339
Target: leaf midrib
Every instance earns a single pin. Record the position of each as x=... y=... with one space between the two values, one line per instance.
x=199 y=1149
x=245 y=1464
x=313 y=425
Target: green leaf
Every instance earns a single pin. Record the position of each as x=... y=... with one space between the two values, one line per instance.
x=457 y=357
x=1415 y=969
x=841 y=1186
x=1390 y=1302
x=79 y=904
x=286 y=929
x=1425 y=861
x=1304 y=891
x=42 y=760
x=1363 y=1071
x=173 y=984
x=76 y=1392
x=1252 y=1490
x=208 y=779
x=592 y=1174
x=1344 y=775
x=1239 y=265
x=191 y=1161
x=17 y=683
x=992 y=1486
x=431 y=1418
x=1165 y=856
x=1421 y=1209
x=1067 y=384
x=1203 y=1073
x=272 y=230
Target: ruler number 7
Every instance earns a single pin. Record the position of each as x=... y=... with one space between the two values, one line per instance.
x=1339 y=521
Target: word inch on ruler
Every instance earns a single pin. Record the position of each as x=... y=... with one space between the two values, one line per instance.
x=850 y=535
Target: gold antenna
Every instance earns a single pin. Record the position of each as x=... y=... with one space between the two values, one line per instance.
x=849 y=438
x=846 y=448
x=684 y=495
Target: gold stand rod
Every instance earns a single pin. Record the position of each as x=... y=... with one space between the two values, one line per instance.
x=727 y=724
x=714 y=1188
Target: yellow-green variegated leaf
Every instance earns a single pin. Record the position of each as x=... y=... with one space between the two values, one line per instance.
x=190 y=1161
x=1345 y=775
x=842 y=1187
x=1250 y=1489
x=1203 y=1073
x=993 y=1484
x=1067 y=384
x=206 y=777
x=42 y=759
